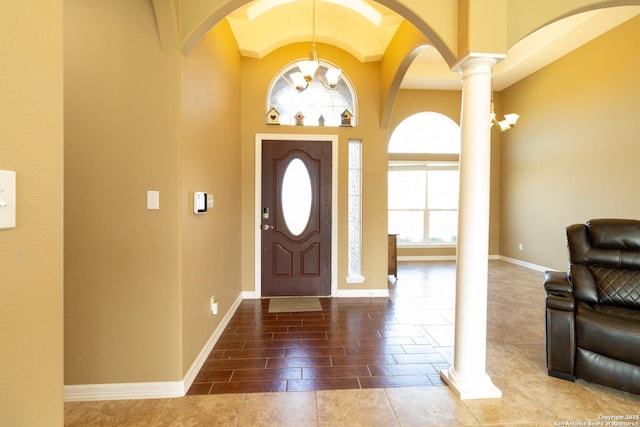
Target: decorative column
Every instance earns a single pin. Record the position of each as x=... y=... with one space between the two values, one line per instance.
x=468 y=374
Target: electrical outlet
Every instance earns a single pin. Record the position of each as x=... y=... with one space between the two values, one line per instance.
x=214 y=306
x=520 y=246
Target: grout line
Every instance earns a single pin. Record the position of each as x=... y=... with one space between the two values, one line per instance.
x=393 y=409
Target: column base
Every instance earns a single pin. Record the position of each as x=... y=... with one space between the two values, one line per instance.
x=479 y=389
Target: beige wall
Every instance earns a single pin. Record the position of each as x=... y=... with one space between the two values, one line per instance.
x=138 y=282
x=31 y=254
x=574 y=153
x=122 y=294
x=210 y=161
x=256 y=77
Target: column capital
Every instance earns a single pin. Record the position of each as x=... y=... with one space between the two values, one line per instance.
x=477 y=61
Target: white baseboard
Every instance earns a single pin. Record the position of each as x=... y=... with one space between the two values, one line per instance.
x=526 y=264
x=151 y=390
x=124 y=391
x=362 y=293
x=248 y=295
x=410 y=258
x=436 y=258
x=211 y=342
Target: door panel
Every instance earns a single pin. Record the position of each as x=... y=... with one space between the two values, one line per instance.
x=296 y=247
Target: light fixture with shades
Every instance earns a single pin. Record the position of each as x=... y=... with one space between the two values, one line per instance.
x=508 y=122
x=308 y=68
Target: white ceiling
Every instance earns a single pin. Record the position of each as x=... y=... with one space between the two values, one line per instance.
x=365 y=29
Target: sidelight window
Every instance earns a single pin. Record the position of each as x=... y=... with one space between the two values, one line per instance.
x=355 y=212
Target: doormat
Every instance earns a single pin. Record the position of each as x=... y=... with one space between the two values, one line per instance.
x=291 y=305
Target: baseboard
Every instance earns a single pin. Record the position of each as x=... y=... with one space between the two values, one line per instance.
x=409 y=258
x=211 y=342
x=151 y=390
x=526 y=264
x=248 y=295
x=362 y=293
x=124 y=391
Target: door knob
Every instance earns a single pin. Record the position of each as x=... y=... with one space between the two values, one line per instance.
x=266 y=227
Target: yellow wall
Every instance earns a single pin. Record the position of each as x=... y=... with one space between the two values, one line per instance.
x=210 y=161
x=256 y=77
x=574 y=153
x=31 y=344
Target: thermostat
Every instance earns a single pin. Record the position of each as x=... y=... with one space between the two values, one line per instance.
x=199 y=202
x=7 y=199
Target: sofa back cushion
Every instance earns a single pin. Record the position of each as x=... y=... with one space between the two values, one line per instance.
x=617 y=286
x=622 y=234
x=605 y=261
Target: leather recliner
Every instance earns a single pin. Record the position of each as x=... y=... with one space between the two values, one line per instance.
x=592 y=324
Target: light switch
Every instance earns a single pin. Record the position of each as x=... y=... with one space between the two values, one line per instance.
x=7 y=199
x=153 y=200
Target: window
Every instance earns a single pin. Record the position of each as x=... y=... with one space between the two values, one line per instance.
x=355 y=212
x=315 y=101
x=423 y=180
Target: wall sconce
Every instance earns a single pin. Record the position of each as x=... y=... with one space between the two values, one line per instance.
x=509 y=121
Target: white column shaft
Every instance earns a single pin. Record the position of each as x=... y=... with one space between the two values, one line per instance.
x=468 y=375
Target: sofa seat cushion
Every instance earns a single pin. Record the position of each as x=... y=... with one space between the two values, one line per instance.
x=609 y=330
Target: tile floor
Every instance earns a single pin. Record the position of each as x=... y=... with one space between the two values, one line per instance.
x=353 y=366
x=352 y=343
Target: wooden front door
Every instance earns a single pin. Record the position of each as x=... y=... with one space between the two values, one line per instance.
x=296 y=218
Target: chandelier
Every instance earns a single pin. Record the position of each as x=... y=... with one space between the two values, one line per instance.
x=303 y=78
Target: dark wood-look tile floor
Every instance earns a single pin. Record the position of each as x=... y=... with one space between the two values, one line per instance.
x=353 y=343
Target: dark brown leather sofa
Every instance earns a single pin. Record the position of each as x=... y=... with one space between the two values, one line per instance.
x=593 y=311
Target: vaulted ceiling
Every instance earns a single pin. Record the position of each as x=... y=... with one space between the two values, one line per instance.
x=365 y=28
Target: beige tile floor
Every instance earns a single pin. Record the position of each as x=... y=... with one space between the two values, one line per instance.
x=515 y=362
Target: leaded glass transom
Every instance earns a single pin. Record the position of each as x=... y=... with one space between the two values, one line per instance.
x=314 y=102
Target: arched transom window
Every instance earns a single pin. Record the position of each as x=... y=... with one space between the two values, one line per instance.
x=318 y=104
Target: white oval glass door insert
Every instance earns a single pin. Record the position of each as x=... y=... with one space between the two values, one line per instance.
x=296 y=196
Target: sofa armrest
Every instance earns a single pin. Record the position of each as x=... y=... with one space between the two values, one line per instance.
x=557 y=282
x=558 y=291
x=559 y=325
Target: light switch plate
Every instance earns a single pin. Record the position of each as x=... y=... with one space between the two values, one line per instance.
x=7 y=199
x=153 y=200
